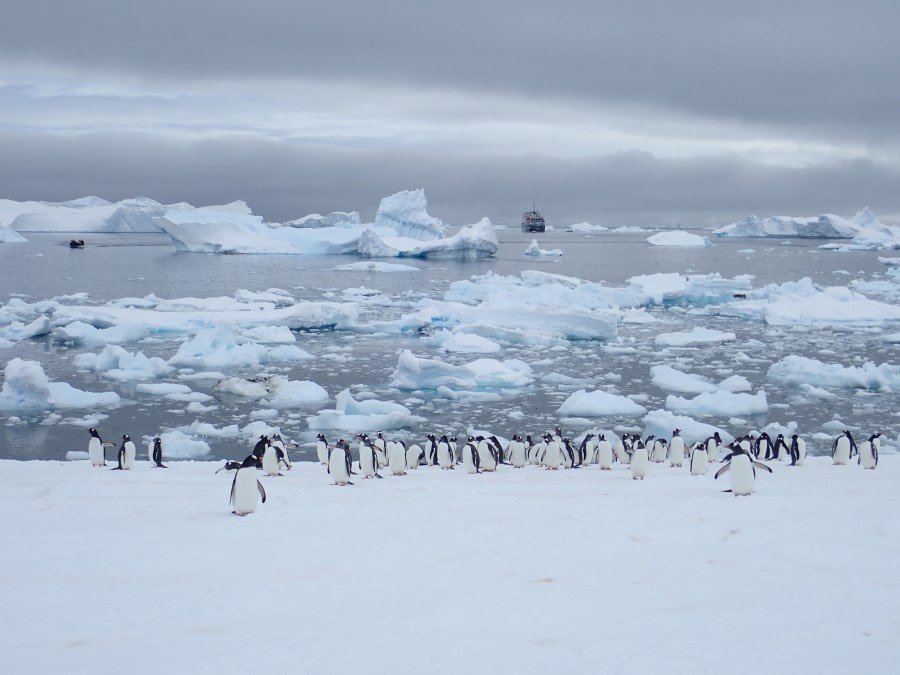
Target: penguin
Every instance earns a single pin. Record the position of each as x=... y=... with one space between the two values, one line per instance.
x=498 y=451
x=551 y=456
x=413 y=455
x=763 y=447
x=431 y=450
x=127 y=452
x=780 y=449
x=470 y=457
x=532 y=450
x=322 y=451
x=245 y=487
x=639 y=460
x=659 y=451
x=269 y=456
x=516 y=451
x=622 y=449
x=368 y=458
x=797 y=450
x=699 y=459
x=604 y=453
x=380 y=446
x=230 y=465
x=154 y=449
x=97 y=448
x=487 y=458
x=868 y=451
x=569 y=453
x=339 y=462
x=444 y=454
x=741 y=466
x=587 y=450
x=713 y=443
x=396 y=457
x=843 y=448
x=281 y=449
x=454 y=450
x=676 y=449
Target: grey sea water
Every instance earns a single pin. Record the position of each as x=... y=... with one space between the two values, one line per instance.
x=124 y=265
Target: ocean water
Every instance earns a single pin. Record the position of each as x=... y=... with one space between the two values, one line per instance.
x=117 y=266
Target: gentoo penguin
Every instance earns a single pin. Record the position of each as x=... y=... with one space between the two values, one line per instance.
x=396 y=457
x=741 y=467
x=127 y=452
x=587 y=450
x=763 y=447
x=516 y=452
x=322 y=451
x=569 y=453
x=639 y=460
x=868 y=451
x=622 y=449
x=487 y=458
x=781 y=449
x=431 y=450
x=444 y=453
x=269 y=456
x=843 y=448
x=454 y=450
x=230 y=465
x=713 y=443
x=339 y=462
x=281 y=449
x=368 y=458
x=797 y=450
x=245 y=487
x=532 y=450
x=552 y=454
x=154 y=449
x=470 y=457
x=413 y=456
x=676 y=449
x=660 y=450
x=604 y=453
x=380 y=446
x=499 y=452
x=699 y=459
x=97 y=448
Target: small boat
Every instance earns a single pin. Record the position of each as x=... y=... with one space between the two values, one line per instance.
x=533 y=221
x=76 y=243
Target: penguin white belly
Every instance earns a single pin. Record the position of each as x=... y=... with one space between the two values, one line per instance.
x=445 y=456
x=413 y=453
x=367 y=461
x=516 y=452
x=488 y=463
x=270 y=461
x=246 y=493
x=337 y=466
x=552 y=456
x=396 y=456
x=604 y=455
x=322 y=452
x=150 y=452
x=867 y=455
x=699 y=461
x=712 y=451
x=659 y=453
x=842 y=451
x=380 y=453
x=639 y=461
x=742 y=478
x=130 y=452
x=95 y=451
x=469 y=454
x=676 y=452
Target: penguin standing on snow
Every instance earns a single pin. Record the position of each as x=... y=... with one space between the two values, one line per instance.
x=713 y=443
x=339 y=463
x=246 y=488
x=281 y=451
x=431 y=450
x=97 y=448
x=396 y=457
x=154 y=447
x=516 y=451
x=322 y=450
x=868 y=452
x=487 y=457
x=639 y=459
x=445 y=453
x=368 y=458
x=269 y=456
x=470 y=457
x=741 y=466
x=699 y=459
x=676 y=449
x=763 y=447
x=604 y=453
x=797 y=450
x=380 y=446
x=127 y=452
x=413 y=455
x=781 y=450
x=843 y=448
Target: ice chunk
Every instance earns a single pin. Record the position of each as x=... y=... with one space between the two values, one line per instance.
x=599 y=404
x=818 y=227
x=697 y=335
x=217 y=348
x=405 y=212
x=535 y=250
x=115 y=363
x=799 y=370
x=678 y=238
x=352 y=415
x=719 y=404
x=27 y=387
x=417 y=373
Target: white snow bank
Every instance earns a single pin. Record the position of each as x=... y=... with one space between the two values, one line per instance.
x=697 y=335
x=598 y=403
x=417 y=373
x=26 y=387
x=678 y=238
x=359 y=416
x=800 y=370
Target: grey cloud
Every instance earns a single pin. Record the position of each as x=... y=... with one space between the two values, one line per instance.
x=807 y=64
x=282 y=181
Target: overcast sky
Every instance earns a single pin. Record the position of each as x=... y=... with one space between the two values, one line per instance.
x=649 y=112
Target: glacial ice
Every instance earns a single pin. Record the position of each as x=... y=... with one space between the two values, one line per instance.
x=361 y=416
x=800 y=370
x=678 y=238
x=26 y=387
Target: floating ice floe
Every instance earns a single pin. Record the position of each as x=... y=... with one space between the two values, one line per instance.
x=469 y=344
x=825 y=226
x=696 y=336
x=26 y=387
x=359 y=416
x=671 y=379
x=116 y=363
x=429 y=374
x=373 y=266
x=800 y=370
x=587 y=227
x=661 y=423
x=217 y=348
x=599 y=404
x=17 y=330
x=81 y=333
x=678 y=238
x=720 y=403
x=535 y=250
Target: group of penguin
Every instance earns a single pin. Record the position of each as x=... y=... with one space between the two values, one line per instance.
x=481 y=454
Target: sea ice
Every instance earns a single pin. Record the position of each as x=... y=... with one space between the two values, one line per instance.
x=678 y=238
x=599 y=404
x=26 y=387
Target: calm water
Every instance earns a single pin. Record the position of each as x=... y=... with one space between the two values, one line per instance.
x=116 y=266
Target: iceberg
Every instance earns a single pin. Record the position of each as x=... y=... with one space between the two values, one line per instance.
x=217 y=348
x=800 y=370
x=26 y=387
x=598 y=403
x=333 y=219
x=359 y=416
x=720 y=403
x=871 y=235
x=696 y=336
x=826 y=226
x=88 y=214
x=10 y=236
x=474 y=241
x=406 y=213
x=115 y=363
x=678 y=238
x=429 y=374
x=535 y=250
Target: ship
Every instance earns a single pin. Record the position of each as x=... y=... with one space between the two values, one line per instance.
x=533 y=221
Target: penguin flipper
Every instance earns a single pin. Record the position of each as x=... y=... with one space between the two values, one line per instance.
x=725 y=467
x=760 y=465
x=262 y=491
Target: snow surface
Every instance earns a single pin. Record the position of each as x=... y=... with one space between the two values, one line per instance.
x=147 y=570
